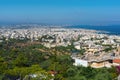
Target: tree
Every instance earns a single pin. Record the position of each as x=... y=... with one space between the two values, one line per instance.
x=71 y=72
x=21 y=61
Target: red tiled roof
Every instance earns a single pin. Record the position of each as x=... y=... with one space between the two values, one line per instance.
x=53 y=72
x=116 y=61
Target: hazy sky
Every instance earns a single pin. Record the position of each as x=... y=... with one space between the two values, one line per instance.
x=60 y=11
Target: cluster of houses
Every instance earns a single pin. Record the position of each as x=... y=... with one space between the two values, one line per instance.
x=106 y=60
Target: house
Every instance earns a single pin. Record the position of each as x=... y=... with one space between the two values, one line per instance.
x=92 y=50
x=52 y=72
x=116 y=62
x=80 y=62
x=77 y=45
x=101 y=63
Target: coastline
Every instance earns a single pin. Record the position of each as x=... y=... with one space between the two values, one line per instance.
x=110 y=30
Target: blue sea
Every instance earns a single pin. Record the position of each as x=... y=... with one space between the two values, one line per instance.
x=112 y=30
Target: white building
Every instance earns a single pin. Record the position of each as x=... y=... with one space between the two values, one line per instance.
x=79 y=62
x=77 y=45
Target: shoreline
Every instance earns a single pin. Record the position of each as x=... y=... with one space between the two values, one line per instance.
x=98 y=31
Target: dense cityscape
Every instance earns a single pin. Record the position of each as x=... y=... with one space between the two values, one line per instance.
x=88 y=48
x=98 y=48
x=59 y=39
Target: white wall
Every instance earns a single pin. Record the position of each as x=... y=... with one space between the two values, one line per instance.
x=79 y=62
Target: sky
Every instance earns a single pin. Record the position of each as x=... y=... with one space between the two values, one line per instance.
x=86 y=12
